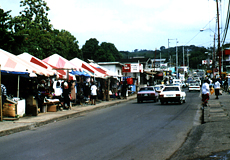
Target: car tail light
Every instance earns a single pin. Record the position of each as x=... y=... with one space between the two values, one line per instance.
x=152 y=93
x=161 y=95
x=178 y=95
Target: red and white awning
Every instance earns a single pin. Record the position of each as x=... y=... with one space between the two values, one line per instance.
x=29 y=58
x=10 y=62
x=61 y=64
x=88 y=68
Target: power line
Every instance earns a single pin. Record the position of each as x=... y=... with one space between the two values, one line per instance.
x=199 y=31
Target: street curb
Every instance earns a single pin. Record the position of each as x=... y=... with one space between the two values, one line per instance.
x=56 y=119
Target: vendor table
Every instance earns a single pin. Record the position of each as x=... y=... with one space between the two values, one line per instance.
x=51 y=105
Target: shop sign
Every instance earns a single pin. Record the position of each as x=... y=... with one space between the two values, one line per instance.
x=126 y=68
x=206 y=62
x=134 y=68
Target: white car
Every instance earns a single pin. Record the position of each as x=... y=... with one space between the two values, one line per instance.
x=172 y=93
x=194 y=87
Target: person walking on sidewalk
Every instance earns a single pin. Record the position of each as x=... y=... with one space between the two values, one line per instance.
x=205 y=92
x=217 y=88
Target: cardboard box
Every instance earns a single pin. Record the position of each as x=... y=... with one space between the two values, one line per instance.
x=9 y=110
x=51 y=108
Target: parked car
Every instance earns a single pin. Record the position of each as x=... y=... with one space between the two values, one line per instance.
x=172 y=93
x=147 y=93
x=194 y=87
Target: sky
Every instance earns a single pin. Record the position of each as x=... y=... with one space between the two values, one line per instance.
x=135 y=24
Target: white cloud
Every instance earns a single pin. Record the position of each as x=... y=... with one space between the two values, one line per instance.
x=146 y=3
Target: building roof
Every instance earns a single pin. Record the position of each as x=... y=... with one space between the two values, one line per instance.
x=110 y=63
x=134 y=60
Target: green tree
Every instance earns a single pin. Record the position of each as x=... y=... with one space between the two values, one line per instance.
x=90 y=48
x=8 y=40
x=110 y=49
x=33 y=16
x=40 y=40
x=5 y=35
x=66 y=45
x=103 y=56
x=33 y=26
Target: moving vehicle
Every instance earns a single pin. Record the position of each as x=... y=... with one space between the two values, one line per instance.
x=147 y=93
x=159 y=87
x=194 y=87
x=183 y=84
x=177 y=81
x=172 y=93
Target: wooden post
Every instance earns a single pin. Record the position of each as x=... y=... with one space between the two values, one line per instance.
x=108 y=89
x=18 y=86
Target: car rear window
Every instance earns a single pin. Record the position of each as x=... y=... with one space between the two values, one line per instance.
x=171 y=89
x=146 y=89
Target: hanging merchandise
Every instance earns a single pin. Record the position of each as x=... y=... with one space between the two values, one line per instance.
x=129 y=81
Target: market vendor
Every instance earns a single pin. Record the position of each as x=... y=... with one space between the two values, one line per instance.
x=4 y=92
x=41 y=94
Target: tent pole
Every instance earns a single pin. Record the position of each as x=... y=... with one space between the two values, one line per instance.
x=67 y=75
x=1 y=92
x=18 y=87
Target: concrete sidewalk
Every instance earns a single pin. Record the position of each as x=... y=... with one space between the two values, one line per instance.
x=26 y=123
x=210 y=140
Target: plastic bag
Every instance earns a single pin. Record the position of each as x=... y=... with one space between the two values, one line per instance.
x=212 y=91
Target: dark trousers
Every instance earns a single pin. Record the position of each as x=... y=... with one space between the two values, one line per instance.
x=205 y=98
x=3 y=99
x=217 y=92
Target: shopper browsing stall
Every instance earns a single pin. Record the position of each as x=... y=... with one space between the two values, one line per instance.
x=93 y=96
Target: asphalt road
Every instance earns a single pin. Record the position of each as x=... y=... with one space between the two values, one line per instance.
x=129 y=131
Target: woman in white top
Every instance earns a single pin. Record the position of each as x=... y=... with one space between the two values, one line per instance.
x=205 y=92
x=93 y=96
x=217 y=88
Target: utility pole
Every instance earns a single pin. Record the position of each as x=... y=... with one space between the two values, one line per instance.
x=183 y=56
x=213 y=58
x=187 y=58
x=218 y=49
x=177 y=61
x=170 y=54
